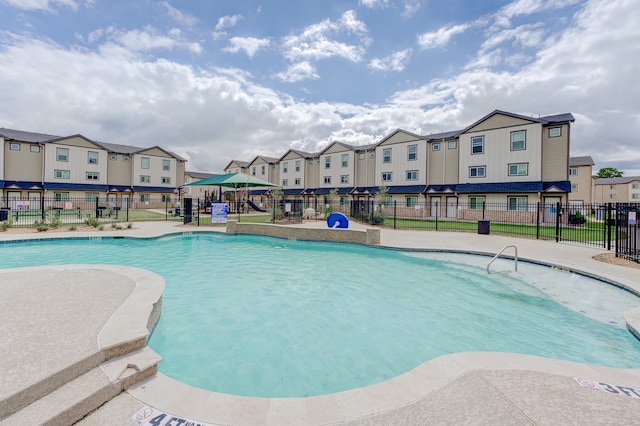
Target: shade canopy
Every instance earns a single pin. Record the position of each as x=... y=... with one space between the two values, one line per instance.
x=232 y=180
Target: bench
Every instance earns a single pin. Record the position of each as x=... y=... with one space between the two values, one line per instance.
x=26 y=213
x=57 y=212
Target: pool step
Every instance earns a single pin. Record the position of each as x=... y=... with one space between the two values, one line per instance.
x=77 y=398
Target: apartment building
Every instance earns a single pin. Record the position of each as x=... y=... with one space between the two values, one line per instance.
x=195 y=191
x=33 y=165
x=505 y=158
x=617 y=190
x=581 y=178
x=236 y=166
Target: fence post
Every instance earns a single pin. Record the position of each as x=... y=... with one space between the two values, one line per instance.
x=437 y=211
x=538 y=222
x=483 y=208
x=395 y=205
x=608 y=225
x=96 y=209
x=198 y=200
x=42 y=204
x=166 y=209
x=557 y=222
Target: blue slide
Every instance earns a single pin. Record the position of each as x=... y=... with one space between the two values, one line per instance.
x=255 y=206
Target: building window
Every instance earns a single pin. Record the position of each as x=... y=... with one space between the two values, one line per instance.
x=344 y=160
x=476 y=203
x=145 y=162
x=387 y=176
x=372 y=155
x=477 y=145
x=612 y=187
x=91 y=196
x=93 y=176
x=253 y=170
x=453 y=144
x=517 y=203
x=635 y=196
x=14 y=147
x=554 y=132
x=165 y=180
x=297 y=181
x=477 y=171
x=92 y=157
x=344 y=179
x=327 y=162
x=574 y=187
x=412 y=175
x=144 y=198
x=411 y=202
x=573 y=171
x=145 y=179
x=297 y=165
x=635 y=186
x=612 y=196
x=386 y=155
x=113 y=157
x=165 y=198
x=166 y=165
x=285 y=167
x=62 y=154
x=412 y=152
x=327 y=179
x=520 y=169
x=344 y=200
x=34 y=148
x=61 y=196
x=285 y=182
x=263 y=170
x=361 y=156
x=125 y=158
x=518 y=140
x=435 y=146
x=62 y=174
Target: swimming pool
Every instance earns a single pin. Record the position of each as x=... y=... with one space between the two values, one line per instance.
x=268 y=317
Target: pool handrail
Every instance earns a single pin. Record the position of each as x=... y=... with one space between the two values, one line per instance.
x=515 y=249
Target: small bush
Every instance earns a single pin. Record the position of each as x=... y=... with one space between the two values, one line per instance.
x=55 y=223
x=129 y=225
x=93 y=222
x=72 y=228
x=5 y=225
x=41 y=225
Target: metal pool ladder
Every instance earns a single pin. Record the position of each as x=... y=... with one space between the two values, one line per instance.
x=515 y=249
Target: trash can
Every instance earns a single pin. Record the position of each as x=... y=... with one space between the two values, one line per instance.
x=4 y=214
x=483 y=227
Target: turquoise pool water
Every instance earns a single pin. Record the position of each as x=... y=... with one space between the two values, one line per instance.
x=268 y=317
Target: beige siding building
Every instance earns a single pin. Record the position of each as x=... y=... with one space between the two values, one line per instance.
x=617 y=190
x=581 y=178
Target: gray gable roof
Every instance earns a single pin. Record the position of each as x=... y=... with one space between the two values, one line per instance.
x=618 y=180
x=581 y=161
x=200 y=175
x=443 y=135
x=22 y=136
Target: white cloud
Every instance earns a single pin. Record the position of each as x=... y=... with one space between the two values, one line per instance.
x=410 y=8
x=316 y=42
x=227 y=22
x=372 y=4
x=249 y=45
x=528 y=7
x=298 y=72
x=146 y=39
x=394 y=62
x=44 y=5
x=179 y=16
x=441 y=37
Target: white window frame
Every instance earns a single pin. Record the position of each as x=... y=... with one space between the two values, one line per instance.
x=327 y=162
x=477 y=142
x=14 y=146
x=285 y=167
x=452 y=145
x=34 y=148
x=518 y=169
x=477 y=202
x=297 y=181
x=411 y=175
x=386 y=155
x=92 y=175
x=519 y=205
x=145 y=163
x=344 y=179
x=113 y=157
x=297 y=165
x=285 y=182
x=518 y=141
x=166 y=180
x=555 y=132
x=125 y=158
x=410 y=201
x=92 y=157
x=573 y=171
x=435 y=146
x=327 y=179
x=166 y=165
x=477 y=170
x=59 y=156
x=62 y=174
x=344 y=160
x=145 y=179
x=412 y=152
x=387 y=176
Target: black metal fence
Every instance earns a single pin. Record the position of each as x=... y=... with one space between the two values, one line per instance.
x=71 y=212
x=589 y=224
x=628 y=231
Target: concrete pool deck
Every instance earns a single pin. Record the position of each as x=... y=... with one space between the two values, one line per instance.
x=465 y=388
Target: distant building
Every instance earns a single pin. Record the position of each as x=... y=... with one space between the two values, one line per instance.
x=581 y=178
x=617 y=190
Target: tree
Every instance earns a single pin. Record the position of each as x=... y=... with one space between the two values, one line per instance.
x=608 y=172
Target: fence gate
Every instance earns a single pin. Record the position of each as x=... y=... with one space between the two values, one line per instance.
x=628 y=231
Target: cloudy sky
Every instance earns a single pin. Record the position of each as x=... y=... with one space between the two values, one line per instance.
x=216 y=80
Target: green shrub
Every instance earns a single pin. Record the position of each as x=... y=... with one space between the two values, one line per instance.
x=55 y=223
x=5 y=225
x=92 y=221
x=72 y=228
x=41 y=225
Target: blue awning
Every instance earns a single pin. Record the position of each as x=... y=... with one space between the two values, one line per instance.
x=325 y=191
x=292 y=191
x=119 y=188
x=75 y=186
x=441 y=188
x=153 y=189
x=10 y=184
x=559 y=186
x=407 y=189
